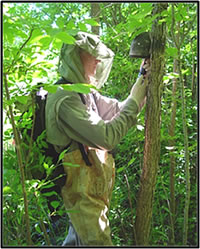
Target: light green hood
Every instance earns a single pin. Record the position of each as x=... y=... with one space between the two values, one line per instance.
x=70 y=66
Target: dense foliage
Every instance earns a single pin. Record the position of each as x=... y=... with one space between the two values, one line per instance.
x=32 y=37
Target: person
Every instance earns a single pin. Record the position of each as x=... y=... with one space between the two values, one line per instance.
x=91 y=125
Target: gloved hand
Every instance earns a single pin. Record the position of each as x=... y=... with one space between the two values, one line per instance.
x=138 y=91
x=144 y=67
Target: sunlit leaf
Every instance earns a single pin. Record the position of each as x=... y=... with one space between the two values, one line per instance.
x=66 y=38
x=7 y=190
x=60 y=22
x=80 y=88
x=132 y=161
x=120 y=169
x=82 y=26
x=62 y=154
x=92 y=22
x=71 y=164
x=51 y=88
x=173 y=52
x=22 y=99
x=46 y=166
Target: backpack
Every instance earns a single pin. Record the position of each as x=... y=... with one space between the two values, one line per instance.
x=32 y=131
x=34 y=135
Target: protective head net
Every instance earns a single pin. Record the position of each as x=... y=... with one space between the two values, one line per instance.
x=70 y=66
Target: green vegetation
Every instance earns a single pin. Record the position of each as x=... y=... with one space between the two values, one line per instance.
x=32 y=37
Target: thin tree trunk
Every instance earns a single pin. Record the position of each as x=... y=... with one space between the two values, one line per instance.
x=187 y=169
x=95 y=12
x=21 y=166
x=193 y=87
x=176 y=38
x=172 y=157
x=152 y=131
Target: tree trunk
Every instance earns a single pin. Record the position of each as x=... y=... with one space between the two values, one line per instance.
x=172 y=157
x=152 y=130
x=95 y=12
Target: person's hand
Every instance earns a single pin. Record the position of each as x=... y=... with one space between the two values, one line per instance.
x=145 y=68
x=138 y=91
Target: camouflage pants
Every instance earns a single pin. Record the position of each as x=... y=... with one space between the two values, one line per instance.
x=87 y=193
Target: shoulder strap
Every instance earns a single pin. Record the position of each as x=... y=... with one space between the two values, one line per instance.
x=82 y=98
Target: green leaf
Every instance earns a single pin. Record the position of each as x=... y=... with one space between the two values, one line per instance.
x=173 y=52
x=37 y=38
x=71 y=164
x=8 y=32
x=66 y=87
x=57 y=43
x=62 y=154
x=49 y=193
x=46 y=41
x=78 y=87
x=55 y=204
x=47 y=185
x=9 y=102
x=81 y=88
x=44 y=144
x=170 y=76
x=7 y=190
x=120 y=169
x=22 y=99
x=82 y=27
x=60 y=22
x=51 y=88
x=66 y=38
x=92 y=22
x=46 y=166
x=131 y=161
x=146 y=9
x=37 y=228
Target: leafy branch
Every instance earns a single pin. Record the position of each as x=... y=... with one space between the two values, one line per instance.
x=18 y=52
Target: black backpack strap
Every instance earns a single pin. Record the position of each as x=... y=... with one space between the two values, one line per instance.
x=81 y=146
x=84 y=154
x=82 y=98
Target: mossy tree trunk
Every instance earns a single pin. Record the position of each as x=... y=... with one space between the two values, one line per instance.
x=152 y=129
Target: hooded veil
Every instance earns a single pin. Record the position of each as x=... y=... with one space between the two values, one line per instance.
x=70 y=66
